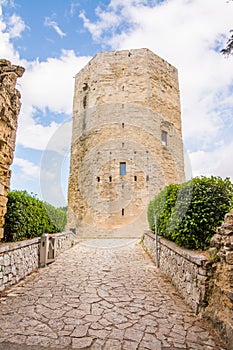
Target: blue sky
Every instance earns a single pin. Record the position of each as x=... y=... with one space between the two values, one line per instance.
x=54 y=39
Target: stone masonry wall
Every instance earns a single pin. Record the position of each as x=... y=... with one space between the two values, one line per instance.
x=18 y=259
x=188 y=271
x=219 y=310
x=9 y=110
x=123 y=102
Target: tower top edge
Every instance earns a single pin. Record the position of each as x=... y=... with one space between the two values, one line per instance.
x=125 y=52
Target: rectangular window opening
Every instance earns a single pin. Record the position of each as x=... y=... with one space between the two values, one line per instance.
x=122 y=168
x=110 y=178
x=147 y=178
x=164 y=137
x=122 y=212
x=135 y=178
x=98 y=179
x=122 y=125
x=123 y=145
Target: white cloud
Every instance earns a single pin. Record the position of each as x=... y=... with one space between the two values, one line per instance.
x=187 y=34
x=50 y=23
x=106 y=22
x=47 y=85
x=50 y=83
x=16 y=26
x=217 y=162
x=44 y=85
x=27 y=169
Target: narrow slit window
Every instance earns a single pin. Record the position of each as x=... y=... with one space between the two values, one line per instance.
x=164 y=137
x=122 y=186
x=122 y=169
x=122 y=125
x=122 y=105
x=135 y=178
x=123 y=145
x=123 y=88
x=147 y=178
x=122 y=212
x=98 y=179
x=110 y=178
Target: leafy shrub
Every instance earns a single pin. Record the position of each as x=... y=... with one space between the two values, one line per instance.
x=28 y=217
x=188 y=214
x=57 y=215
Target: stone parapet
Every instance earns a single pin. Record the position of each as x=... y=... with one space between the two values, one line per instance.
x=187 y=270
x=19 y=259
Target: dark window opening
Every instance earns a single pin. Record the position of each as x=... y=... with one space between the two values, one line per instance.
x=123 y=70
x=85 y=86
x=123 y=88
x=122 y=106
x=164 y=137
x=122 y=145
x=98 y=179
x=122 y=169
x=147 y=178
x=85 y=101
x=135 y=178
x=122 y=211
x=129 y=54
x=135 y=152
x=110 y=178
x=122 y=186
x=122 y=125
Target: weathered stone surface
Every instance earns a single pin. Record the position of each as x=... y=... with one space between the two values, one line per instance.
x=220 y=302
x=37 y=311
x=123 y=102
x=9 y=109
x=18 y=259
x=187 y=270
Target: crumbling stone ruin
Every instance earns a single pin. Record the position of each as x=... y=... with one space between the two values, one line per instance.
x=126 y=142
x=9 y=109
x=219 y=310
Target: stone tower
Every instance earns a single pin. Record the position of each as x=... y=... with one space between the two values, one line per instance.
x=9 y=109
x=126 y=142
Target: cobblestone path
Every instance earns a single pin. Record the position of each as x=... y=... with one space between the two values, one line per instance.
x=102 y=295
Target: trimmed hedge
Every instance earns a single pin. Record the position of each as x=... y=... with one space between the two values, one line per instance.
x=188 y=214
x=28 y=217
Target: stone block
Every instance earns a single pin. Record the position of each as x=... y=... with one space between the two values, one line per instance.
x=229 y=257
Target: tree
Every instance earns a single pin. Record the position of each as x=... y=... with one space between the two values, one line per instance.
x=228 y=50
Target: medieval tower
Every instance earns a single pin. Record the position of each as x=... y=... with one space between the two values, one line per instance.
x=126 y=142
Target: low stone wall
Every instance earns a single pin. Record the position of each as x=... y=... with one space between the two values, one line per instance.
x=188 y=271
x=19 y=259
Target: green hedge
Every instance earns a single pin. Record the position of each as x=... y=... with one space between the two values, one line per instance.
x=188 y=214
x=28 y=217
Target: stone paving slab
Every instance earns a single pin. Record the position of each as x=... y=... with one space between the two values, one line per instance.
x=101 y=294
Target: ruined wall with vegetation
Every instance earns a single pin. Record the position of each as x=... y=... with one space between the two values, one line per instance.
x=9 y=109
x=219 y=310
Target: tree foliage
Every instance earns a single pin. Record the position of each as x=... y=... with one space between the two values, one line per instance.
x=228 y=50
x=28 y=217
x=188 y=214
